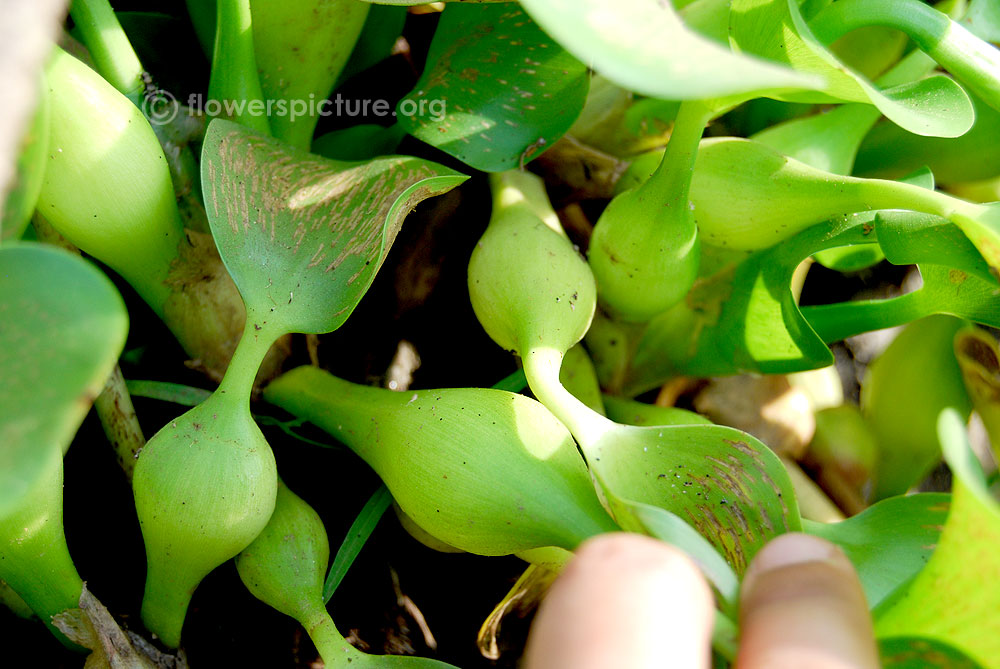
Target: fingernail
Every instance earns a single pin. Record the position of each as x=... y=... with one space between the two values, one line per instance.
x=795 y=548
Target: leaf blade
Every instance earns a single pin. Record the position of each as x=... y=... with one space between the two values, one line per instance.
x=303 y=236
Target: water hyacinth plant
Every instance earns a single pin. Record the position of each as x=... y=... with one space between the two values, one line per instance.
x=612 y=209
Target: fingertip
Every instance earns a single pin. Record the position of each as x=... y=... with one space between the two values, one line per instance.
x=625 y=601
x=795 y=548
x=803 y=606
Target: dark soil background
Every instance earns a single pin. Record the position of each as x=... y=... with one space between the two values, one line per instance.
x=419 y=296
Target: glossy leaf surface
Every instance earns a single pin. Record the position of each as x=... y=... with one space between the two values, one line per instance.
x=955 y=593
x=776 y=30
x=644 y=46
x=889 y=542
x=496 y=91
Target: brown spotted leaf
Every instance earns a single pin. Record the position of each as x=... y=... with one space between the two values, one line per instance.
x=727 y=485
x=301 y=235
x=496 y=91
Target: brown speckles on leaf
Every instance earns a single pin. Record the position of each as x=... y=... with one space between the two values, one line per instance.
x=276 y=200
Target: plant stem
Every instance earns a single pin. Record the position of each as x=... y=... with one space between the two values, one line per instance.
x=541 y=367
x=114 y=409
x=834 y=322
x=234 y=81
x=670 y=184
x=257 y=339
x=515 y=190
x=34 y=557
x=976 y=221
x=109 y=46
x=332 y=646
x=118 y=63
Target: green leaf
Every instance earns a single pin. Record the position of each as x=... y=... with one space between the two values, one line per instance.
x=776 y=30
x=513 y=383
x=644 y=46
x=303 y=236
x=668 y=527
x=745 y=317
x=496 y=90
x=359 y=142
x=726 y=484
x=361 y=529
x=901 y=406
x=909 y=652
x=888 y=152
x=888 y=542
x=870 y=50
x=382 y=28
x=828 y=141
x=945 y=291
x=168 y=392
x=62 y=327
x=909 y=238
x=967 y=58
x=955 y=595
x=631 y=412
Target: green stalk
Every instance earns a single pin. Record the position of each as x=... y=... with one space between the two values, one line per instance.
x=34 y=558
x=204 y=487
x=670 y=184
x=973 y=61
x=644 y=252
x=522 y=193
x=107 y=188
x=109 y=47
x=235 y=83
x=117 y=62
x=301 y=48
x=121 y=425
x=750 y=197
x=331 y=644
x=237 y=384
x=512 y=480
x=541 y=367
x=836 y=322
x=980 y=223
